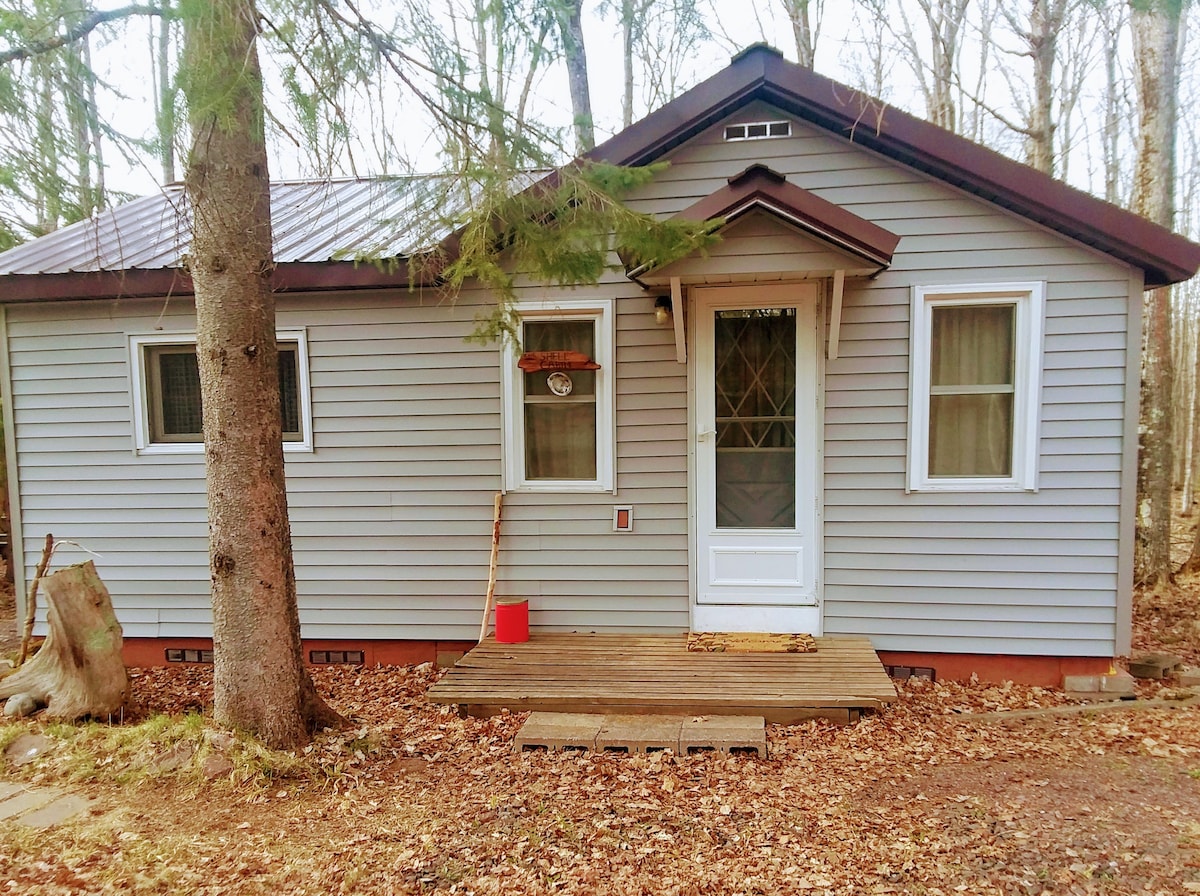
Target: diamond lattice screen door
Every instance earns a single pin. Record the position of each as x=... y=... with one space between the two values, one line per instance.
x=756 y=459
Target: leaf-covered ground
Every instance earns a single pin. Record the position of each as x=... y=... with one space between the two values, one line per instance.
x=931 y=796
x=923 y=798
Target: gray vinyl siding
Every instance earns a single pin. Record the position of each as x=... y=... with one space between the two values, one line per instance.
x=1009 y=573
x=391 y=513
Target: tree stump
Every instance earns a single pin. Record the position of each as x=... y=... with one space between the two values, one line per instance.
x=79 y=670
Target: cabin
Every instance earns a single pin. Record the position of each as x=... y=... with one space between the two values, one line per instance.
x=897 y=401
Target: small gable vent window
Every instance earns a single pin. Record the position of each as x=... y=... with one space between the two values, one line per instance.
x=758 y=130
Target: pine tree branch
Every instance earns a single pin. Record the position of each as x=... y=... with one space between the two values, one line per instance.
x=78 y=31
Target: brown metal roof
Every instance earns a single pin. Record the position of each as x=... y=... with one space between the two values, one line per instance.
x=761 y=73
x=320 y=228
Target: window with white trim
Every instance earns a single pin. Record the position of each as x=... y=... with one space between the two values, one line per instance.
x=166 y=402
x=558 y=398
x=975 y=387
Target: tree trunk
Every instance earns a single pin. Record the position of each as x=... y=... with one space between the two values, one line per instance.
x=260 y=682
x=570 y=23
x=1155 y=28
x=627 y=14
x=78 y=671
x=1045 y=22
x=803 y=31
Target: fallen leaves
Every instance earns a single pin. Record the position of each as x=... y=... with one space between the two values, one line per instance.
x=413 y=799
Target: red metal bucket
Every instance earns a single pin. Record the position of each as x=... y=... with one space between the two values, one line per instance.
x=512 y=620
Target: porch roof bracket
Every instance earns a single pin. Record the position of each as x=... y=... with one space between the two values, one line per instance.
x=835 y=313
x=677 y=320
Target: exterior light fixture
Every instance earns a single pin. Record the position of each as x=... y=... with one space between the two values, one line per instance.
x=662 y=310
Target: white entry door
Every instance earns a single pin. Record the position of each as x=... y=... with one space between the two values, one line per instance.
x=756 y=352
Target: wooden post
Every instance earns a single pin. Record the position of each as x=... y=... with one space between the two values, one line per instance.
x=491 y=585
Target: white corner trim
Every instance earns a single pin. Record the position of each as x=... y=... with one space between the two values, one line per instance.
x=16 y=541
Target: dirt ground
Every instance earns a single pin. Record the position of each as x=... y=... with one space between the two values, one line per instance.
x=927 y=797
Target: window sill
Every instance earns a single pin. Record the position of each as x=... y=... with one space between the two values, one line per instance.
x=176 y=448
x=562 y=488
x=971 y=485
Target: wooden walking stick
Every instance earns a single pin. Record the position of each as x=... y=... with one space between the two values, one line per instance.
x=491 y=585
x=31 y=603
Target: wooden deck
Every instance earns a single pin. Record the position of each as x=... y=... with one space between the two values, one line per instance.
x=641 y=674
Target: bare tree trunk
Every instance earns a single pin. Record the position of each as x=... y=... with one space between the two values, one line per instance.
x=165 y=95
x=570 y=25
x=1156 y=50
x=1113 y=97
x=627 y=14
x=1045 y=22
x=804 y=30
x=260 y=682
x=79 y=670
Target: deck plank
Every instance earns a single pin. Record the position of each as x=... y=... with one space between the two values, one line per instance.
x=569 y=672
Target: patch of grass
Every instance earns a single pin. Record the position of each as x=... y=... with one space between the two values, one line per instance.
x=1194 y=773
x=163 y=746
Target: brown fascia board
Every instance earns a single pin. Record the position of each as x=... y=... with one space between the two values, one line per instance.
x=141 y=283
x=761 y=73
x=760 y=187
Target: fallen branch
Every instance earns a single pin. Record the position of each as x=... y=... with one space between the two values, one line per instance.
x=1076 y=709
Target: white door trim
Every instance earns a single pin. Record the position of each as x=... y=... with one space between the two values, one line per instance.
x=757 y=579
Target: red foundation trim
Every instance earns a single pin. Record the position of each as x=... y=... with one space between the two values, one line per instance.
x=1041 y=671
x=147 y=652
x=1044 y=671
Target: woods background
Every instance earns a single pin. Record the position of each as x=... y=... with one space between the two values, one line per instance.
x=93 y=111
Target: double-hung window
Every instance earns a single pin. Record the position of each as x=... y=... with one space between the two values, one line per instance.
x=558 y=398
x=975 y=387
x=168 y=418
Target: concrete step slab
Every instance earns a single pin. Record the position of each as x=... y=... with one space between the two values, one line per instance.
x=639 y=734
x=26 y=800
x=642 y=733
x=56 y=812
x=724 y=734
x=558 y=731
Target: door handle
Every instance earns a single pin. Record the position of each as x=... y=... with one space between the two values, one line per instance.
x=705 y=434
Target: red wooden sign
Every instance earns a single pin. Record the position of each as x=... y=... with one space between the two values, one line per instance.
x=532 y=362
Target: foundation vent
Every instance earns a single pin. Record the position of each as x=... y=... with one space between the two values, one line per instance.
x=336 y=657
x=903 y=673
x=187 y=655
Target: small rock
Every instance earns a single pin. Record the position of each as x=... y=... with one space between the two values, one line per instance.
x=28 y=747
x=19 y=706
x=219 y=740
x=1189 y=676
x=405 y=767
x=175 y=758
x=216 y=766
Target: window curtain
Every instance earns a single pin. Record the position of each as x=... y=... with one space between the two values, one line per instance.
x=560 y=430
x=971 y=400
